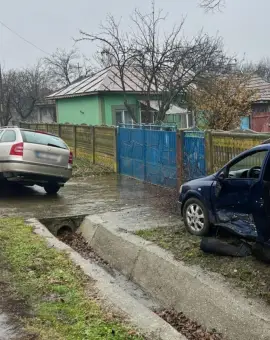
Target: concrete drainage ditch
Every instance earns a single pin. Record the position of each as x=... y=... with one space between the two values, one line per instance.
x=130 y=262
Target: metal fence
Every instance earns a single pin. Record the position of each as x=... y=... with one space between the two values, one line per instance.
x=194 y=164
x=148 y=154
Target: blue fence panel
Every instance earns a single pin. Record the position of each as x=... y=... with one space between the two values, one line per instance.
x=131 y=152
x=148 y=155
x=160 y=167
x=194 y=155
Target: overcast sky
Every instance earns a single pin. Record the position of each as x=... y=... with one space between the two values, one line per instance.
x=51 y=24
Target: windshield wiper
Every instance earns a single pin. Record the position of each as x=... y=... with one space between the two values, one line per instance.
x=54 y=145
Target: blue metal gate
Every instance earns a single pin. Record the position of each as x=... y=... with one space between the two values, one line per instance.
x=194 y=165
x=149 y=155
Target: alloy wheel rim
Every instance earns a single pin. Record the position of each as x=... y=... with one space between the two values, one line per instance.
x=195 y=217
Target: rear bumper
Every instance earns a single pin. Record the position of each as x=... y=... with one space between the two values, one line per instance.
x=31 y=172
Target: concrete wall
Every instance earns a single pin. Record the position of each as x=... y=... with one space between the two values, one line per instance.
x=79 y=110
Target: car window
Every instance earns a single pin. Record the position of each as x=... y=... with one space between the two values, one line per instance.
x=8 y=136
x=36 y=137
x=248 y=166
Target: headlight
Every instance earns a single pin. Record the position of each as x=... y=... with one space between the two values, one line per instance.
x=180 y=190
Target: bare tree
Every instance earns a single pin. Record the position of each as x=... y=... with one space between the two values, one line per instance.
x=262 y=68
x=170 y=63
x=64 y=67
x=28 y=87
x=116 y=49
x=212 y=5
x=6 y=94
x=163 y=65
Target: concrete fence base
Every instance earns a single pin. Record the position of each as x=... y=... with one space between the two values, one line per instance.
x=187 y=289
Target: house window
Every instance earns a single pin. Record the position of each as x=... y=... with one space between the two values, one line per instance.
x=123 y=117
x=186 y=120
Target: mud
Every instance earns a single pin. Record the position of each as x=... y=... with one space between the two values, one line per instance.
x=11 y=309
x=88 y=196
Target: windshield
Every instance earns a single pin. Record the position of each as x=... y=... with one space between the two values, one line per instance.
x=36 y=137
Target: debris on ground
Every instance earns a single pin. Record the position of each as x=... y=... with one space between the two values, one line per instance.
x=184 y=325
x=86 y=168
x=78 y=243
x=246 y=273
x=213 y=245
x=178 y=320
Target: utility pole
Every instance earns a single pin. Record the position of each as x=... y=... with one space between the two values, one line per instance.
x=1 y=97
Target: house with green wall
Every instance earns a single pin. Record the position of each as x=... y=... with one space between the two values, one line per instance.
x=99 y=100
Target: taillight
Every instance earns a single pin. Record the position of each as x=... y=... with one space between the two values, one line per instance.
x=70 y=160
x=16 y=150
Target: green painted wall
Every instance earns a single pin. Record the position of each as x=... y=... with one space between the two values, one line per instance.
x=79 y=110
x=111 y=100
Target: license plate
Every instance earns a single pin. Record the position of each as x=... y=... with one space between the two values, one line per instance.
x=47 y=156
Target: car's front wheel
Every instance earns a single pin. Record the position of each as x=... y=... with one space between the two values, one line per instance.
x=51 y=188
x=196 y=217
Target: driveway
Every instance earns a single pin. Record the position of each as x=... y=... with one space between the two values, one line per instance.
x=149 y=205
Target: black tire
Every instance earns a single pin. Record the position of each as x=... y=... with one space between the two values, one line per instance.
x=195 y=225
x=52 y=188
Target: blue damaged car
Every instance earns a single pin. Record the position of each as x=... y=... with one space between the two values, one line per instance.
x=237 y=197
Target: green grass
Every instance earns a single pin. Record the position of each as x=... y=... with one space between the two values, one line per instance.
x=85 y=168
x=54 y=289
x=248 y=274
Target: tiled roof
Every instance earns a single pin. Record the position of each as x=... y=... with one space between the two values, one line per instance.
x=261 y=87
x=105 y=80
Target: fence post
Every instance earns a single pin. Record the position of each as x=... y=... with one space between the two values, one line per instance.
x=179 y=157
x=74 y=140
x=115 y=149
x=144 y=153
x=208 y=152
x=94 y=143
x=59 y=130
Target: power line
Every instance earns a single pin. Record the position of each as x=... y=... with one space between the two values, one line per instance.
x=27 y=41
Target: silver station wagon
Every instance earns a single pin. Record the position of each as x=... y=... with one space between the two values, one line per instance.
x=34 y=157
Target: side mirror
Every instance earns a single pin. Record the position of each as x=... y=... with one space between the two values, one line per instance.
x=221 y=176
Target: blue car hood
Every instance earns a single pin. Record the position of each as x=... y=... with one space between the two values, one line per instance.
x=199 y=181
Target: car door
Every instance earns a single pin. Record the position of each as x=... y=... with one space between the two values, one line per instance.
x=232 y=191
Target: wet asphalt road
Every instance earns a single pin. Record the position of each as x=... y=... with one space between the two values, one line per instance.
x=86 y=196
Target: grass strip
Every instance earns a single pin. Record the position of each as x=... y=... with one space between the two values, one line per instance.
x=54 y=289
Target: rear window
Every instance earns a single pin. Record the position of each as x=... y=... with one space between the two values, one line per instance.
x=8 y=136
x=43 y=139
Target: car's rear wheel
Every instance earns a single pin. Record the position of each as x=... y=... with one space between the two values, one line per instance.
x=196 y=217
x=51 y=188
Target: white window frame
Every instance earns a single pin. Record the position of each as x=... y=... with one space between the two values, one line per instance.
x=123 y=116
